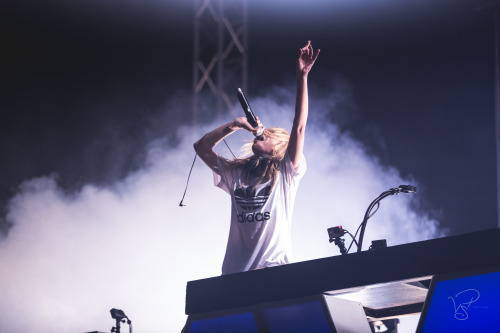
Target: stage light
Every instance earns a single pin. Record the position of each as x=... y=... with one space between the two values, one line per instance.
x=120 y=317
x=335 y=232
x=368 y=214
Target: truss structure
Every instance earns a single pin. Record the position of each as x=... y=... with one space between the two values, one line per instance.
x=220 y=56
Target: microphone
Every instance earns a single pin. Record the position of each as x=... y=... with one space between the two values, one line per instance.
x=248 y=111
x=407 y=189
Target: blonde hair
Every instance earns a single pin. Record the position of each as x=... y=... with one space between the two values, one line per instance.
x=268 y=164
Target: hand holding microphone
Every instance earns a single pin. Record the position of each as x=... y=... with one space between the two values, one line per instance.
x=251 y=118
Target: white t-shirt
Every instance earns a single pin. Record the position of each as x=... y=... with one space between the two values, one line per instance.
x=260 y=232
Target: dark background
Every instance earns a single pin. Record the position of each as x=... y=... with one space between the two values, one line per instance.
x=87 y=84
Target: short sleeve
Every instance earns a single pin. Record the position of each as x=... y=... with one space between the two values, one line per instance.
x=225 y=177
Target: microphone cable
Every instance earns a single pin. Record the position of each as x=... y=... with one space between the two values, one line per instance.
x=190 y=170
x=187 y=182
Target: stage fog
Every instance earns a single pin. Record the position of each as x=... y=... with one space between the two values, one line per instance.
x=71 y=256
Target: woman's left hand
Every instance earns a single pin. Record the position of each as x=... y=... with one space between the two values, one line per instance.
x=306 y=59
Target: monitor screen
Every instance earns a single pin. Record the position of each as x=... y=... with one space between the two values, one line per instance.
x=462 y=302
x=240 y=322
x=301 y=317
x=314 y=314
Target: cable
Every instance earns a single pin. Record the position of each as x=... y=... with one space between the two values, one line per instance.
x=368 y=214
x=187 y=182
x=354 y=238
x=192 y=165
x=378 y=206
x=359 y=227
x=228 y=147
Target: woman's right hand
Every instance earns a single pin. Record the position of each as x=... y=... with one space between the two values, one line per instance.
x=242 y=122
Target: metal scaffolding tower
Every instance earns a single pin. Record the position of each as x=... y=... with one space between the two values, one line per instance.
x=220 y=56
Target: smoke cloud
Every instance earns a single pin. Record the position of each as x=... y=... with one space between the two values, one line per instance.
x=72 y=256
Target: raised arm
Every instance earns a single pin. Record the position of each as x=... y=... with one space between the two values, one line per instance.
x=204 y=146
x=305 y=61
